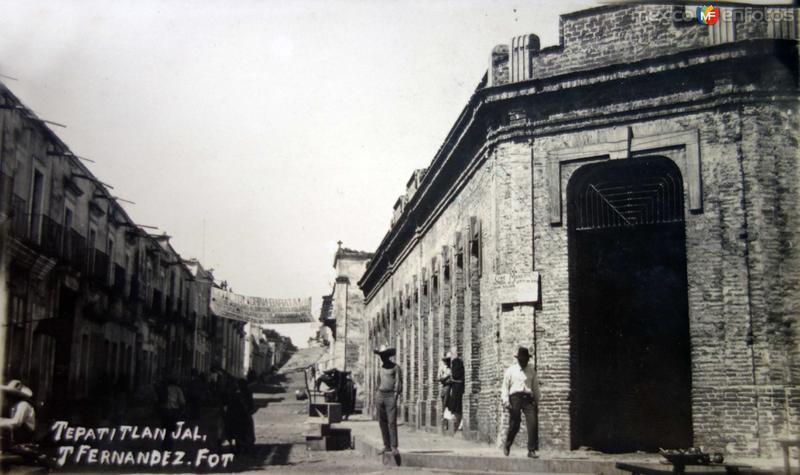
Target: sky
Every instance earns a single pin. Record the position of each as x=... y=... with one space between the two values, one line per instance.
x=258 y=134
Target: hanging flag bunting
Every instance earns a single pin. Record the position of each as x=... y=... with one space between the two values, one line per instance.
x=260 y=310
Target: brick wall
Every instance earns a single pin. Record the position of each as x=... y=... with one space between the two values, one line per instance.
x=742 y=295
x=621 y=34
x=768 y=157
x=610 y=35
x=472 y=346
x=447 y=307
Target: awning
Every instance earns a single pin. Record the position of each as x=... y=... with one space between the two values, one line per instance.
x=303 y=359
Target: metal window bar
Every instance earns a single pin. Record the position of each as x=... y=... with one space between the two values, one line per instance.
x=650 y=200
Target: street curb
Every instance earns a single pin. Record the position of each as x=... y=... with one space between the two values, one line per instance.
x=451 y=461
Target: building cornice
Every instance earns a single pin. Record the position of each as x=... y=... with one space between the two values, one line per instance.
x=480 y=126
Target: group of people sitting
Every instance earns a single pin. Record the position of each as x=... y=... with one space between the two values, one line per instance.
x=18 y=418
x=222 y=405
x=18 y=426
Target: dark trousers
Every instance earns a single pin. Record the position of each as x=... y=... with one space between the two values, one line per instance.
x=387 y=417
x=522 y=403
x=169 y=421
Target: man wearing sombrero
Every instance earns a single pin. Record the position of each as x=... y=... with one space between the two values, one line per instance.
x=390 y=385
x=520 y=393
x=20 y=424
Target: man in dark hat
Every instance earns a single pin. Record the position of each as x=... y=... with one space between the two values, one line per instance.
x=390 y=385
x=520 y=393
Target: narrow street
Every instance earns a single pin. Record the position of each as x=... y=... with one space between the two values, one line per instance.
x=280 y=444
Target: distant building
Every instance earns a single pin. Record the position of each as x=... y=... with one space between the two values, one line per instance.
x=342 y=316
x=228 y=346
x=266 y=350
x=281 y=348
x=257 y=352
x=200 y=293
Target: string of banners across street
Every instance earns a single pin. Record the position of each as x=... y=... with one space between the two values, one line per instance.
x=260 y=310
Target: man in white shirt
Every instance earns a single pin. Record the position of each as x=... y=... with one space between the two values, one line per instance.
x=520 y=394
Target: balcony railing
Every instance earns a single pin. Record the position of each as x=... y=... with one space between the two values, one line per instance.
x=35 y=233
x=74 y=250
x=99 y=268
x=136 y=289
x=19 y=218
x=52 y=236
x=120 y=281
x=156 y=305
x=49 y=237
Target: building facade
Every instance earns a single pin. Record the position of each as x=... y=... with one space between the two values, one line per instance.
x=228 y=346
x=342 y=317
x=624 y=204
x=266 y=351
x=257 y=351
x=280 y=348
x=200 y=292
x=89 y=300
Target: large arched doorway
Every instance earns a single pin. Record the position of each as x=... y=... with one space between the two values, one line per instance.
x=629 y=326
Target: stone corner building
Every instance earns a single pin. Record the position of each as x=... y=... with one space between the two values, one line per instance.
x=625 y=204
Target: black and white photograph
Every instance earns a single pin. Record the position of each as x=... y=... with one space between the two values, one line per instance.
x=399 y=236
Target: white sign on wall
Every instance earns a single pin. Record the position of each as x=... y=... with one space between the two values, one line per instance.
x=517 y=288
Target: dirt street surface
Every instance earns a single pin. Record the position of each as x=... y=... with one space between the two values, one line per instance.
x=280 y=445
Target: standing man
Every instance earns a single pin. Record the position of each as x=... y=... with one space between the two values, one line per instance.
x=520 y=393
x=390 y=385
x=456 y=395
